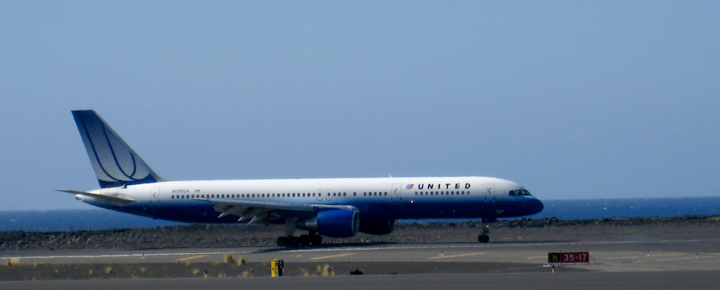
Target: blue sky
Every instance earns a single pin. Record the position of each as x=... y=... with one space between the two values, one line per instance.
x=573 y=99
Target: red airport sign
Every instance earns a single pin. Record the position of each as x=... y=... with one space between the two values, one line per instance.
x=569 y=257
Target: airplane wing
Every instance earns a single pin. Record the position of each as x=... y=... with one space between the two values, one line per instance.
x=266 y=212
x=111 y=199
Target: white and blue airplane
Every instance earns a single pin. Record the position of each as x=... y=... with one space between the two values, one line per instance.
x=332 y=207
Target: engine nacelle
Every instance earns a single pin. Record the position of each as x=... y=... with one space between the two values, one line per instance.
x=336 y=223
x=378 y=227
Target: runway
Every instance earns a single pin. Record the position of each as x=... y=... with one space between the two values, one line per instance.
x=610 y=256
x=632 y=262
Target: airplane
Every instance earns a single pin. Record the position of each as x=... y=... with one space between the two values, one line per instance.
x=331 y=207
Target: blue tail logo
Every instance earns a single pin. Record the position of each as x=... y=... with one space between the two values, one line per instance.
x=114 y=162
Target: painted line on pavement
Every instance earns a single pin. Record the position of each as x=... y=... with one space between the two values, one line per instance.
x=333 y=256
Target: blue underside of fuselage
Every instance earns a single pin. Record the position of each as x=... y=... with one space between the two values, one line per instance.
x=201 y=212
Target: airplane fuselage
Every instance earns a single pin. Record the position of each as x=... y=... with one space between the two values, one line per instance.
x=375 y=198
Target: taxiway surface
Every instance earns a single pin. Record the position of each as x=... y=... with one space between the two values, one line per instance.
x=632 y=254
x=629 y=262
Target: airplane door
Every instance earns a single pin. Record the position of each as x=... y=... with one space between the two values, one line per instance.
x=328 y=194
x=319 y=195
x=490 y=196
x=156 y=196
x=395 y=195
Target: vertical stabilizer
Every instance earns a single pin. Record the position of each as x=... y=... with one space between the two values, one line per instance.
x=114 y=162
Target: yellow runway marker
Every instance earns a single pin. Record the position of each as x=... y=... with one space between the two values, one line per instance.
x=333 y=256
x=537 y=257
x=455 y=256
x=191 y=258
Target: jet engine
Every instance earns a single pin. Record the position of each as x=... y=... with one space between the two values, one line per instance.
x=336 y=223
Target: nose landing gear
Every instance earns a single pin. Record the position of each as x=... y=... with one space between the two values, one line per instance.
x=485 y=236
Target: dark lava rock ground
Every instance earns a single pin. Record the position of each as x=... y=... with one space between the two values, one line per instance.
x=222 y=236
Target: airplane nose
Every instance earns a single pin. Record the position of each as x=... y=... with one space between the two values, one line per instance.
x=536 y=206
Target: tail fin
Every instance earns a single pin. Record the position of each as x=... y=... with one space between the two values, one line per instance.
x=114 y=162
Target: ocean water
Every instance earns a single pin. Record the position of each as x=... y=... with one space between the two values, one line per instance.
x=99 y=219
x=630 y=207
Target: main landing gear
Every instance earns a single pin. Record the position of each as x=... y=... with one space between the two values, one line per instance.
x=312 y=239
x=305 y=240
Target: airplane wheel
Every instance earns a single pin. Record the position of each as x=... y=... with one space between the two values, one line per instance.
x=293 y=241
x=315 y=240
x=282 y=241
x=304 y=240
x=483 y=238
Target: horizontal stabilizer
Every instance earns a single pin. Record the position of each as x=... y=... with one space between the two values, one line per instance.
x=111 y=199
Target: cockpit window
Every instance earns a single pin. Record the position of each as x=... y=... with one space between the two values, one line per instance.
x=521 y=192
